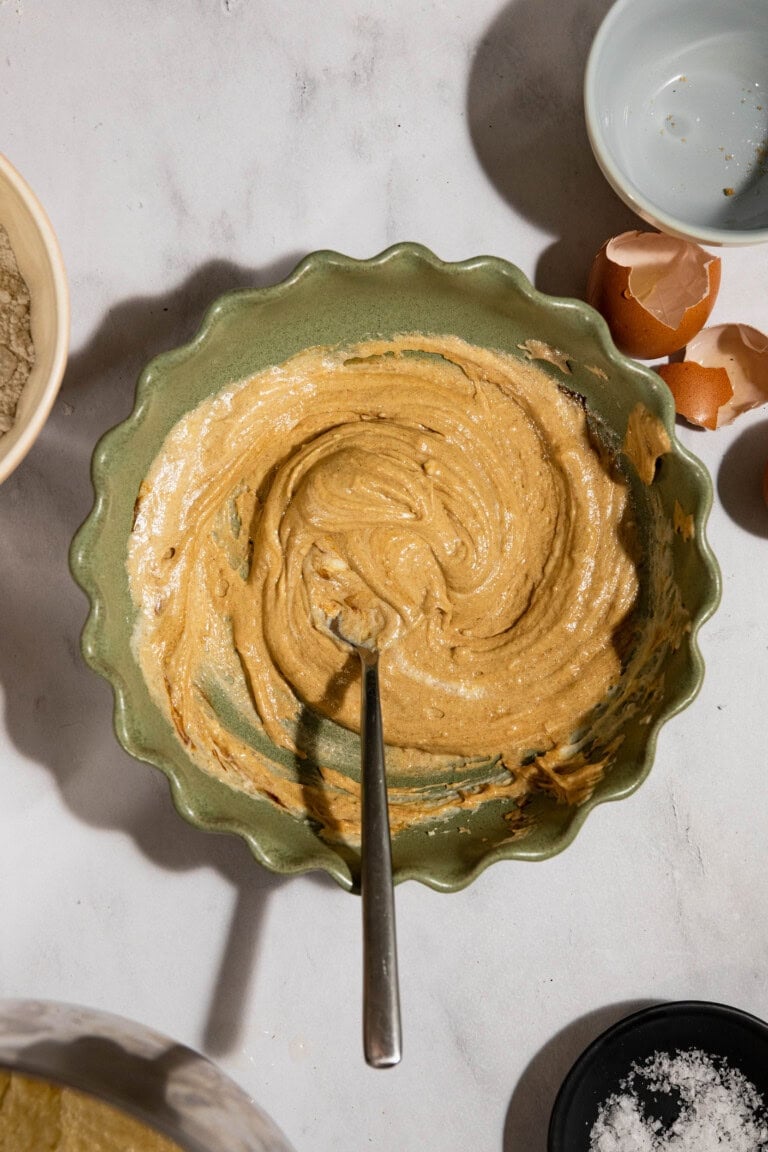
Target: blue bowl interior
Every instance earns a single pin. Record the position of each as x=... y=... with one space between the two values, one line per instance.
x=677 y=108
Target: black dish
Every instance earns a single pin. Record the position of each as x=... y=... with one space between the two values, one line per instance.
x=720 y=1031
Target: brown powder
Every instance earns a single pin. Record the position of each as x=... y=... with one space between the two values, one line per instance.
x=17 y=353
x=37 y=1116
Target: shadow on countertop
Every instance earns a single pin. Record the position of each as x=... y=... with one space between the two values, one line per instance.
x=527 y=1121
x=526 y=120
x=57 y=711
x=740 y=479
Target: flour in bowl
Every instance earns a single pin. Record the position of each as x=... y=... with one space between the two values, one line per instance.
x=719 y=1109
x=17 y=353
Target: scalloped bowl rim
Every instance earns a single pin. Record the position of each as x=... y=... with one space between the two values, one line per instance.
x=86 y=579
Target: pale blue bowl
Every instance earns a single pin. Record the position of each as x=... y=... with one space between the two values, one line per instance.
x=676 y=104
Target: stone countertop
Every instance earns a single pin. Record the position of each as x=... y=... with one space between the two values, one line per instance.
x=185 y=149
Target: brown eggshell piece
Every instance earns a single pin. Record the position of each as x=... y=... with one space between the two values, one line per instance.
x=698 y=392
x=654 y=291
x=742 y=352
x=765 y=483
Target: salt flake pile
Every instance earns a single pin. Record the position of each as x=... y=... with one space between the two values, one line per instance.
x=719 y=1109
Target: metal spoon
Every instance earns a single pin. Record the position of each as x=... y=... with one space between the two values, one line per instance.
x=382 y=1041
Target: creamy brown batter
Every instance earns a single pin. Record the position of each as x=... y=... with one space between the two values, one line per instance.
x=450 y=501
x=37 y=1116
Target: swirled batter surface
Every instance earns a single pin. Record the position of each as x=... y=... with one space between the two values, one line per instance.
x=451 y=503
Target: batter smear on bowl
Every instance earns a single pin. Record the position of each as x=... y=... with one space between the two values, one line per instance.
x=462 y=506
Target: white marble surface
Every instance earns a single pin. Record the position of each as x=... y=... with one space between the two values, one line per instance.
x=182 y=149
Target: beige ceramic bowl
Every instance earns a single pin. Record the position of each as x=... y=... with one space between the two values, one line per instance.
x=39 y=258
x=333 y=300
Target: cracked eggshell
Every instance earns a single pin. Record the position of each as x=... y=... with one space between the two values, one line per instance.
x=698 y=392
x=742 y=352
x=654 y=291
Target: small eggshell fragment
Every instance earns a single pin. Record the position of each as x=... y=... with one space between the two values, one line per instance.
x=654 y=291
x=698 y=391
x=743 y=353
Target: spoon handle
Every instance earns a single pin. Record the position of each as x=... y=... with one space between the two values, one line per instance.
x=381 y=997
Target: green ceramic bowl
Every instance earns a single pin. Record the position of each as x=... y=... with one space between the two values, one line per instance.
x=332 y=299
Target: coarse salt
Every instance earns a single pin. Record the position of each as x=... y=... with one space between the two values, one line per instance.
x=720 y=1110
